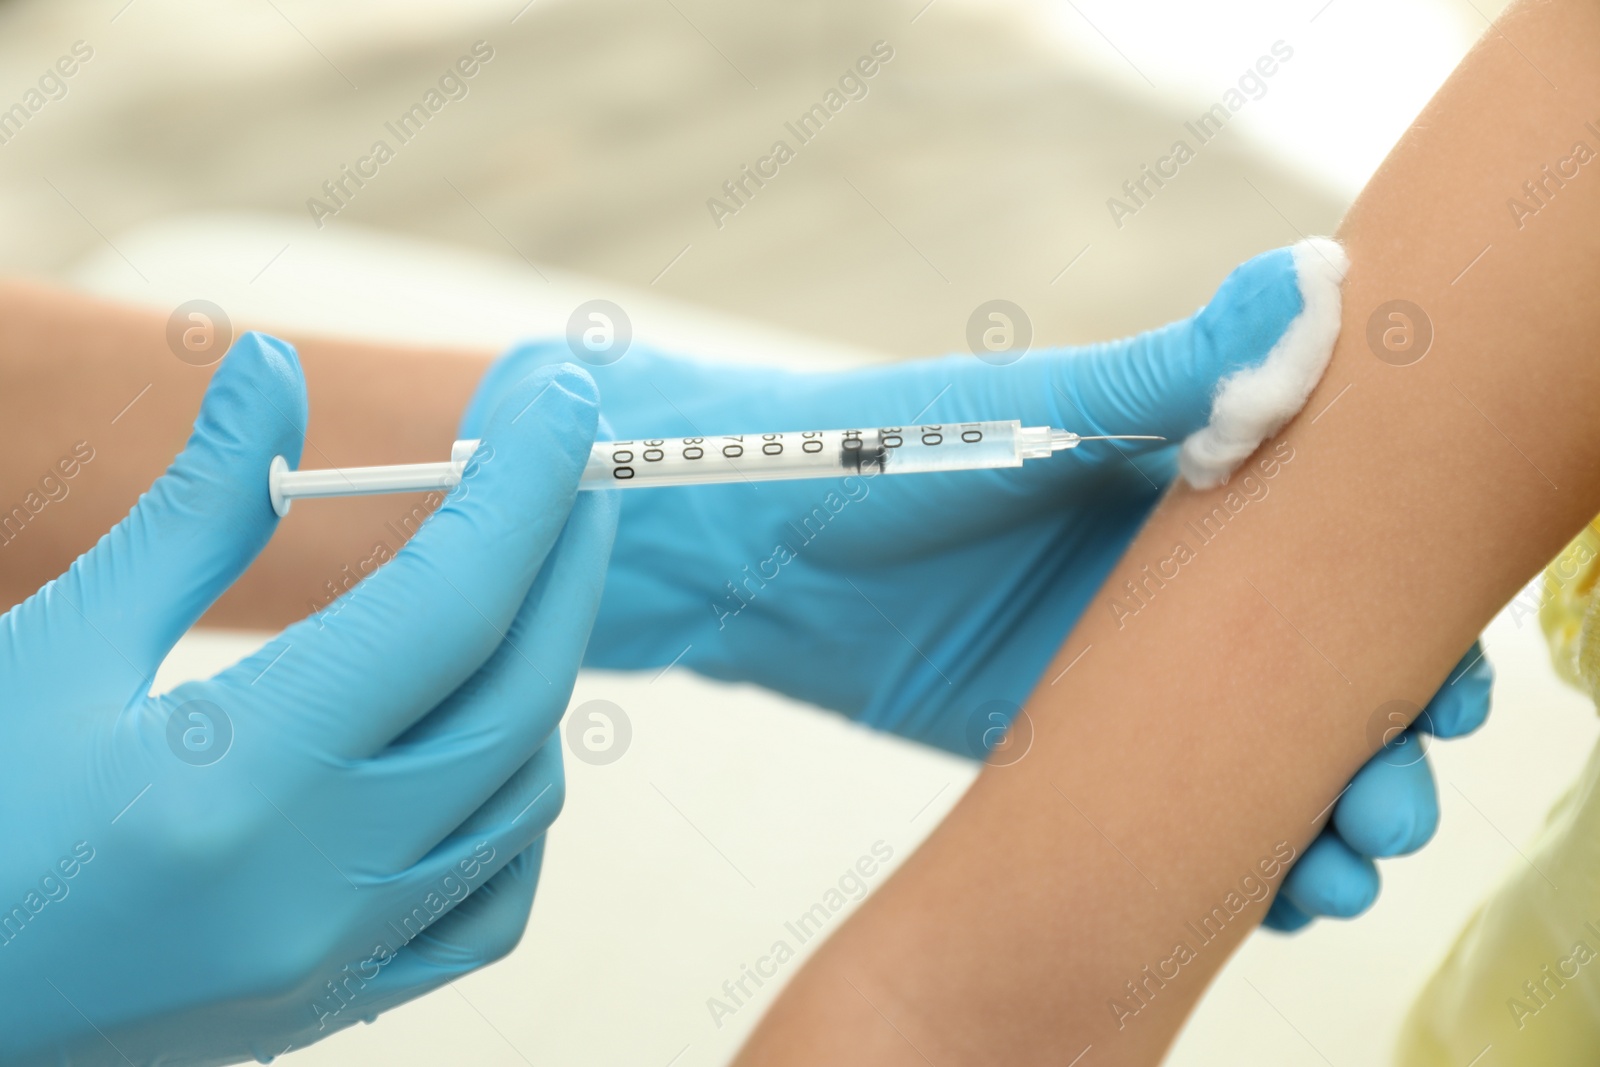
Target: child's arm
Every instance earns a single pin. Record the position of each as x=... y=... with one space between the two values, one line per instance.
x=1085 y=895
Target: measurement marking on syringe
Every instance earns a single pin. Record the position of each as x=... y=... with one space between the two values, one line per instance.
x=691 y=450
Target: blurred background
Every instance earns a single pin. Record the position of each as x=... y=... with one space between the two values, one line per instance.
x=978 y=165
x=179 y=164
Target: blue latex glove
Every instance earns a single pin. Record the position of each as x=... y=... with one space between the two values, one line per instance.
x=929 y=605
x=339 y=823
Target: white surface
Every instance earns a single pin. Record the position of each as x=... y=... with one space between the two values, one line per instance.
x=734 y=811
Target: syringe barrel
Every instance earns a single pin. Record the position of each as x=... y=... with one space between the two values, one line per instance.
x=700 y=460
x=648 y=462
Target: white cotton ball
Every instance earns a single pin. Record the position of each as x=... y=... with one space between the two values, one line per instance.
x=1253 y=404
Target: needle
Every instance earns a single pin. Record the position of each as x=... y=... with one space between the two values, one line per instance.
x=1066 y=439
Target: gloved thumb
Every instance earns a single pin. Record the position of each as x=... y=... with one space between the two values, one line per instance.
x=192 y=534
x=1229 y=377
x=1253 y=402
x=504 y=374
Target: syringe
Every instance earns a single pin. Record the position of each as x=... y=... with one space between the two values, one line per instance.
x=761 y=457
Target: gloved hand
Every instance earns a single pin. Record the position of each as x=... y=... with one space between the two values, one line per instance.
x=342 y=821
x=930 y=604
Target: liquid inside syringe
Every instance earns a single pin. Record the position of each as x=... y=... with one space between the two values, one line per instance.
x=646 y=462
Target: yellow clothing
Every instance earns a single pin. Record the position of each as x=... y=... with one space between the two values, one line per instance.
x=1521 y=986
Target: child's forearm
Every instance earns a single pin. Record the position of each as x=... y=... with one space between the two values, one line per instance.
x=94 y=404
x=1242 y=659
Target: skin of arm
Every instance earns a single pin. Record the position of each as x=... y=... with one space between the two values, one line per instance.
x=1078 y=901
x=120 y=405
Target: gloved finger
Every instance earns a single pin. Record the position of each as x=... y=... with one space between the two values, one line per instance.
x=464 y=906
x=361 y=672
x=513 y=821
x=518 y=813
x=1163 y=381
x=502 y=375
x=614 y=381
x=1160 y=383
x=1284 y=917
x=468 y=747
x=1391 y=807
x=200 y=525
x=513 y=824
x=482 y=929
x=1331 y=880
x=1462 y=704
